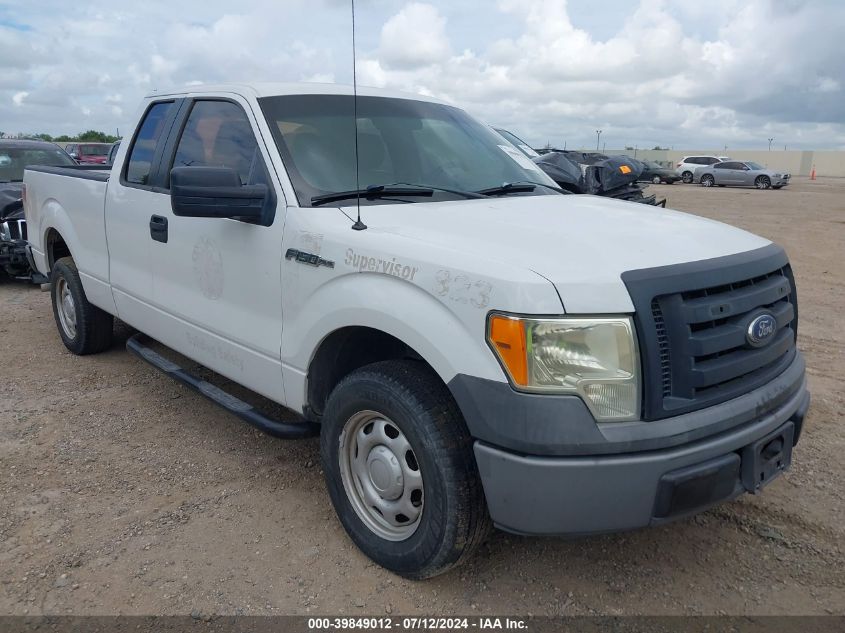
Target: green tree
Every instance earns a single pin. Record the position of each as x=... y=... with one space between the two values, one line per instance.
x=94 y=136
x=43 y=137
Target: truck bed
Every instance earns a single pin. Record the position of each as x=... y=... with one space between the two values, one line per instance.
x=71 y=200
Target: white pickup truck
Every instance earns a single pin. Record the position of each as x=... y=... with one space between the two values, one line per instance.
x=478 y=349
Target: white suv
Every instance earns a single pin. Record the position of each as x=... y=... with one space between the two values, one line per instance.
x=686 y=168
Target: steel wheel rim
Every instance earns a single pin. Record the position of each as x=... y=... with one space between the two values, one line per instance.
x=381 y=475
x=761 y=183
x=706 y=182
x=656 y=180
x=66 y=308
x=687 y=177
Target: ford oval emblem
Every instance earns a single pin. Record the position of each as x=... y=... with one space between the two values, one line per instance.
x=761 y=330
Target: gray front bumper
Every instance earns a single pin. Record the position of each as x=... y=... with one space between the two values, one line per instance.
x=576 y=494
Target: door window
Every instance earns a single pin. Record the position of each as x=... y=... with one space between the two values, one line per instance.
x=140 y=162
x=218 y=134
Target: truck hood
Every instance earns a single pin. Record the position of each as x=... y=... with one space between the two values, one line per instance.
x=582 y=244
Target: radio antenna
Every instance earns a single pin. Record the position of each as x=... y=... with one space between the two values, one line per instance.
x=358 y=226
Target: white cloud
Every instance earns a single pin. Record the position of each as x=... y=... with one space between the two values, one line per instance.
x=414 y=37
x=665 y=73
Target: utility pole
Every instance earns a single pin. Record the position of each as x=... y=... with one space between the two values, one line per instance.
x=770 y=144
x=598 y=136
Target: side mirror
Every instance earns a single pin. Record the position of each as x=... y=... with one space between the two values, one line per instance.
x=216 y=192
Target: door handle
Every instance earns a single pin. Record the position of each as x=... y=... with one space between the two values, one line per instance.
x=158 y=228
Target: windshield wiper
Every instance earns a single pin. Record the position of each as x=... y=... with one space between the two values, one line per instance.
x=393 y=189
x=508 y=187
x=519 y=186
x=457 y=192
x=370 y=193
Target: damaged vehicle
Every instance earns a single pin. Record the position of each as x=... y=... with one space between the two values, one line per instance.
x=597 y=174
x=15 y=155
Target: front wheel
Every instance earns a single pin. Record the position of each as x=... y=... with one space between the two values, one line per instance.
x=400 y=469
x=686 y=177
x=763 y=182
x=656 y=180
x=84 y=328
x=707 y=181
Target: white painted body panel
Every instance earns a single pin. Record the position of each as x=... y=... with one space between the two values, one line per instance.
x=222 y=293
x=73 y=207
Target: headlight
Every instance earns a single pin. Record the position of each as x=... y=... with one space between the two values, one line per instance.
x=777 y=175
x=595 y=358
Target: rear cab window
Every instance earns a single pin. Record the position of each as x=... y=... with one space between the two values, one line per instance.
x=139 y=165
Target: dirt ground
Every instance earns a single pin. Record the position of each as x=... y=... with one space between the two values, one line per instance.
x=123 y=492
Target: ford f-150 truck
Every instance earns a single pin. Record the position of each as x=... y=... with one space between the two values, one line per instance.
x=476 y=348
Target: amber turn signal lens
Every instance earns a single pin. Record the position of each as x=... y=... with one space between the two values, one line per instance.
x=507 y=335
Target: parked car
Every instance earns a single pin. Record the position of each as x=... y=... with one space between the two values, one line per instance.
x=15 y=155
x=597 y=174
x=656 y=174
x=741 y=174
x=89 y=153
x=472 y=346
x=686 y=168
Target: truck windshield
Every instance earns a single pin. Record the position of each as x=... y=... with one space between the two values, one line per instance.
x=13 y=160
x=400 y=142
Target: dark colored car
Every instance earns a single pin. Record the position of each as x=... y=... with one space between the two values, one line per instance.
x=657 y=174
x=597 y=174
x=15 y=155
x=89 y=153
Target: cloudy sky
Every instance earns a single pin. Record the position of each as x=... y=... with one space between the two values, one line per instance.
x=698 y=73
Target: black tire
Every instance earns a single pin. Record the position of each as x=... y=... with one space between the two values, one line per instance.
x=707 y=180
x=93 y=327
x=762 y=182
x=454 y=518
x=686 y=177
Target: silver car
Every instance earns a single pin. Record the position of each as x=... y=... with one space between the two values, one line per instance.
x=735 y=173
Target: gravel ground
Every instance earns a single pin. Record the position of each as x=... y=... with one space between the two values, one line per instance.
x=123 y=492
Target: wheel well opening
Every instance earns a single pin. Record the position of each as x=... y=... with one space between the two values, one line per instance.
x=56 y=247
x=342 y=352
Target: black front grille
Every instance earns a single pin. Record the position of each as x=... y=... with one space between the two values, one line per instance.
x=13 y=229
x=692 y=321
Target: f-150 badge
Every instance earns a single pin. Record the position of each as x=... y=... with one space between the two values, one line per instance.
x=308 y=258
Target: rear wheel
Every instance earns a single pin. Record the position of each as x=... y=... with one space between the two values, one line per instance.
x=687 y=177
x=707 y=180
x=400 y=469
x=762 y=182
x=83 y=327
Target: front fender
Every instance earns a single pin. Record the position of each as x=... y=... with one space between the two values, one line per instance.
x=451 y=341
